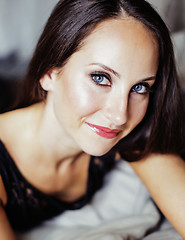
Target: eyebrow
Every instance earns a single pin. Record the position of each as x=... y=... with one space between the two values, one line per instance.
x=148 y=79
x=118 y=75
x=107 y=69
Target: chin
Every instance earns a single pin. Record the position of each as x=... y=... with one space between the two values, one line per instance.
x=97 y=150
x=96 y=146
x=97 y=153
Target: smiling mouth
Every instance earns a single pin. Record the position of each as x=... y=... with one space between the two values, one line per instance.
x=103 y=131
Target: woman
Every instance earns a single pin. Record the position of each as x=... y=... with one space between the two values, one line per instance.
x=102 y=77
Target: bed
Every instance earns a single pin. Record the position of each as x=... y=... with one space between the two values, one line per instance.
x=122 y=209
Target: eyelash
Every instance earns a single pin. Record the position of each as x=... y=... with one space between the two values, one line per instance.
x=148 y=88
x=103 y=75
x=108 y=77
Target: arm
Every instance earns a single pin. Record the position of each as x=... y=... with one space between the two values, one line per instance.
x=6 y=233
x=164 y=176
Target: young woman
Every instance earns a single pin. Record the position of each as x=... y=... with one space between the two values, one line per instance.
x=102 y=80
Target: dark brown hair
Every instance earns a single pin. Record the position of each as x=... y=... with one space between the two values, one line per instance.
x=162 y=129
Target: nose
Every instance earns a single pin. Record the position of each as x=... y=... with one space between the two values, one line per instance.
x=116 y=108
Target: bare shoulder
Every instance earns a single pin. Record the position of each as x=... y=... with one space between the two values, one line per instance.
x=164 y=177
x=5 y=135
x=9 y=123
x=158 y=160
x=157 y=170
x=3 y=195
x=12 y=123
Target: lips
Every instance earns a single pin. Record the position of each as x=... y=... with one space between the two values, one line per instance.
x=103 y=131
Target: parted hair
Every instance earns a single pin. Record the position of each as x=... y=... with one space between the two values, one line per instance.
x=162 y=129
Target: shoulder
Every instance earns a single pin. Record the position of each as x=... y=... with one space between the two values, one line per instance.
x=161 y=171
x=158 y=160
x=6 y=118
x=11 y=135
x=12 y=132
x=164 y=176
x=12 y=123
x=5 y=134
x=154 y=164
x=3 y=195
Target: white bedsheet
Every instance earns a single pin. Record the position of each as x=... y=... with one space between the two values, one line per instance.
x=122 y=209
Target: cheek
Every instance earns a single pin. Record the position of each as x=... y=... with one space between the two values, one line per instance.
x=138 y=108
x=83 y=100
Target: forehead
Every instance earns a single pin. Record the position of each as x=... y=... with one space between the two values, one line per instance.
x=127 y=28
x=125 y=45
x=121 y=39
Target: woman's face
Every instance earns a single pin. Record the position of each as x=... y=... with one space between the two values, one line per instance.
x=103 y=91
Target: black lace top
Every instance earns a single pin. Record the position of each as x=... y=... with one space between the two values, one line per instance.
x=28 y=207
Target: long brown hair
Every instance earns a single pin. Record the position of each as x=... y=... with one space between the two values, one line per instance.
x=162 y=129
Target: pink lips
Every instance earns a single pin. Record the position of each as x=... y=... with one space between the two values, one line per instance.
x=103 y=131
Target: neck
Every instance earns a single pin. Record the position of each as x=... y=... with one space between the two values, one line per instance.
x=52 y=140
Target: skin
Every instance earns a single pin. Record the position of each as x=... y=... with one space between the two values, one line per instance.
x=113 y=104
x=56 y=136
x=164 y=176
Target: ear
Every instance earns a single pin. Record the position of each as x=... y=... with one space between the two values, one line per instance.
x=48 y=79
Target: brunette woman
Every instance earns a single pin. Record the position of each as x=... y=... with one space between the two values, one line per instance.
x=102 y=81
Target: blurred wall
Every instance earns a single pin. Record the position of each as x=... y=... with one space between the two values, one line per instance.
x=173 y=13
x=21 y=22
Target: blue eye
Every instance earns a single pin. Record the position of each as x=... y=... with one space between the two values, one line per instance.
x=98 y=78
x=102 y=79
x=141 y=88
